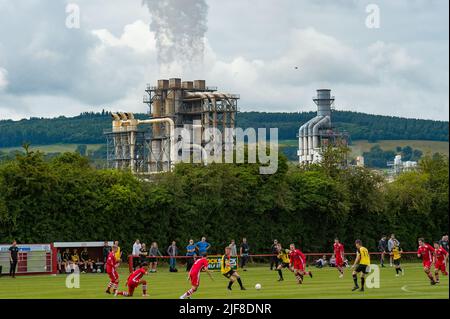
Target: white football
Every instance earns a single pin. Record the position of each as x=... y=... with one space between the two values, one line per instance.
x=258 y=286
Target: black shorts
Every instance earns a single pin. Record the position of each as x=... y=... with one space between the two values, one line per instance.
x=152 y=260
x=284 y=265
x=229 y=273
x=397 y=262
x=362 y=268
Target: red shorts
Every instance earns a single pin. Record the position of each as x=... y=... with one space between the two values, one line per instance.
x=299 y=266
x=113 y=276
x=441 y=267
x=131 y=286
x=339 y=262
x=195 y=279
x=427 y=264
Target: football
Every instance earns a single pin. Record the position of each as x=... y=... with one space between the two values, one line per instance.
x=258 y=286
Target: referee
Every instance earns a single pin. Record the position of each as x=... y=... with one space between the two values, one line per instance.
x=13 y=253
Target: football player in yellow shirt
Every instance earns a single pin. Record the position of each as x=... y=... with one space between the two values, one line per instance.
x=118 y=252
x=396 y=254
x=227 y=271
x=283 y=261
x=361 y=265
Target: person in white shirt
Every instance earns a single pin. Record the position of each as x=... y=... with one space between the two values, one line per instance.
x=233 y=248
x=136 y=253
x=391 y=243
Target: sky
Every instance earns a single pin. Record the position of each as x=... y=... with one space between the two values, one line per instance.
x=275 y=54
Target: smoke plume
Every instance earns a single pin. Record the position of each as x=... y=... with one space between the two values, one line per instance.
x=179 y=27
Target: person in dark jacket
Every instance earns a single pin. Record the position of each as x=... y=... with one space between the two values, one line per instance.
x=172 y=251
x=274 y=258
x=13 y=258
x=382 y=248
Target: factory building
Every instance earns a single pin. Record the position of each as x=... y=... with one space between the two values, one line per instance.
x=319 y=132
x=149 y=145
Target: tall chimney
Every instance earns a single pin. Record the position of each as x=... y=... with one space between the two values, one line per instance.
x=324 y=101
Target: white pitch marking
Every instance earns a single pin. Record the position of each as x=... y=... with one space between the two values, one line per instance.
x=405 y=289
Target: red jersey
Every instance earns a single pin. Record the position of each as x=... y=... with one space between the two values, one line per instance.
x=440 y=255
x=199 y=264
x=426 y=251
x=297 y=257
x=338 y=250
x=111 y=262
x=136 y=276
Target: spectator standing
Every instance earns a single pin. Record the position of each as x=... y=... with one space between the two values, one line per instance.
x=136 y=252
x=391 y=244
x=233 y=248
x=172 y=251
x=274 y=258
x=143 y=254
x=191 y=251
x=106 y=251
x=59 y=261
x=153 y=253
x=244 y=252
x=382 y=248
x=203 y=246
x=444 y=242
x=13 y=258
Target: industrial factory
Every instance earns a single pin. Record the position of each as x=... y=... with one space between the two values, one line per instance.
x=152 y=145
x=318 y=132
x=149 y=146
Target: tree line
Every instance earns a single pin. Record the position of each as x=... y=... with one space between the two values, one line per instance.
x=88 y=128
x=65 y=199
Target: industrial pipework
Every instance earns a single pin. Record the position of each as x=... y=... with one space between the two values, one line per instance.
x=172 y=104
x=313 y=134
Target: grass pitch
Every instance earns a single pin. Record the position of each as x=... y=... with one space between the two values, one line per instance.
x=164 y=285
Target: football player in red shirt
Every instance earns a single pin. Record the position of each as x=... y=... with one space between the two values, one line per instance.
x=111 y=270
x=338 y=249
x=440 y=261
x=298 y=262
x=134 y=280
x=426 y=252
x=201 y=264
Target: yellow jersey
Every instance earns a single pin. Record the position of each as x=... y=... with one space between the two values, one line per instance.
x=225 y=264
x=118 y=254
x=75 y=258
x=396 y=253
x=284 y=257
x=363 y=253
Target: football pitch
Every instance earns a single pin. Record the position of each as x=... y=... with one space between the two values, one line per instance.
x=325 y=284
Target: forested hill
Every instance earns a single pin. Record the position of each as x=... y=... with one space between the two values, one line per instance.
x=87 y=128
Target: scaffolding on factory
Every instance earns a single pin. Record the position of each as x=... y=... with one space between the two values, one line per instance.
x=174 y=103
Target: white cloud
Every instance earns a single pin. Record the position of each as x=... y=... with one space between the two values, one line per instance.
x=136 y=36
x=253 y=51
x=3 y=78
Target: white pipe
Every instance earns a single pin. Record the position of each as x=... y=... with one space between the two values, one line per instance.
x=300 y=139
x=308 y=134
x=171 y=133
x=316 y=127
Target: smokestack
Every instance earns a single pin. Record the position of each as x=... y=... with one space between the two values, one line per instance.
x=324 y=101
